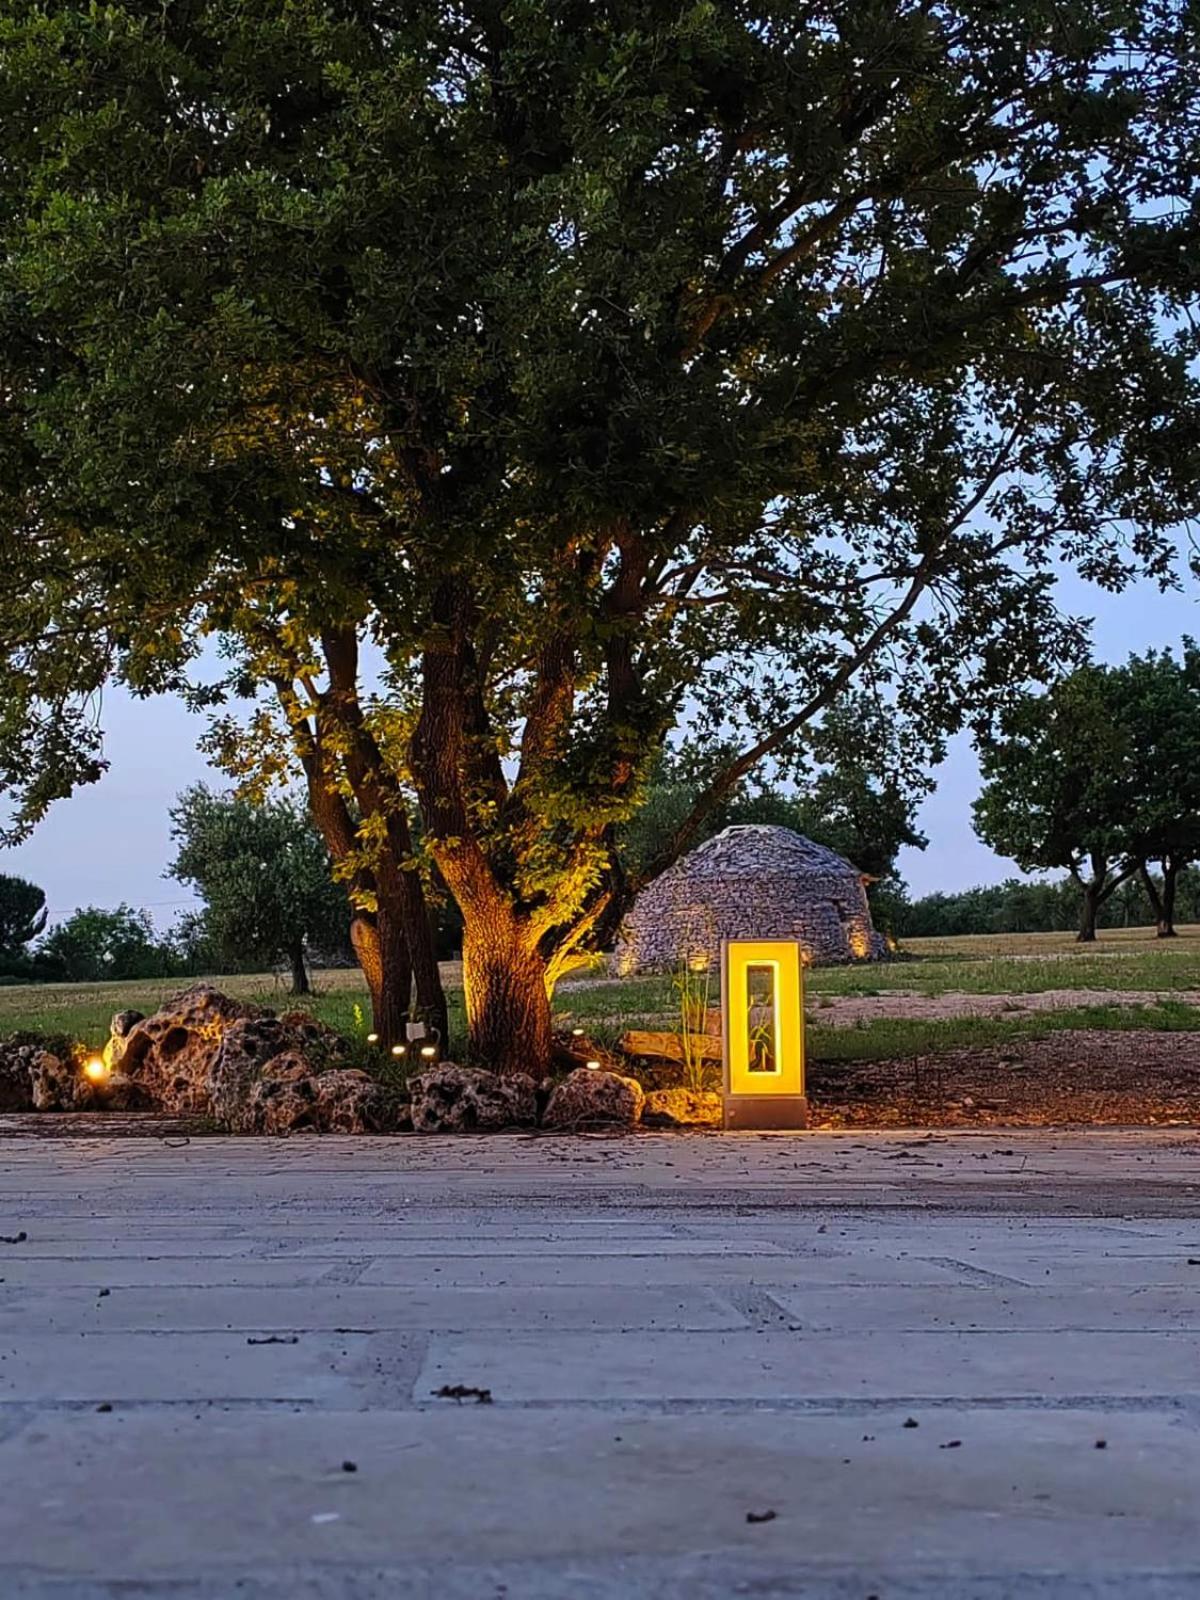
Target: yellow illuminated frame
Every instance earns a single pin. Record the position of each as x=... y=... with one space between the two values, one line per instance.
x=738 y=958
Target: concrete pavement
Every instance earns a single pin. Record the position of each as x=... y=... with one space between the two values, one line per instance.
x=220 y=1364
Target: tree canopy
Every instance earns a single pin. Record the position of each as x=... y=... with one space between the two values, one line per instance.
x=264 y=875
x=500 y=383
x=22 y=918
x=1101 y=776
x=1158 y=703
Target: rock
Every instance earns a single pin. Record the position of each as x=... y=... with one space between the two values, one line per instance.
x=245 y=1049
x=255 y=1048
x=171 y=1054
x=682 y=1108
x=58 y=1083
x=589 y=1098
x=16 y=1083
x=454 y=1099
x=119 y=1029
x=281 y=1099
x=119 y=1093
x=206 y=1054
x=350 y=1101
x=290 y=1097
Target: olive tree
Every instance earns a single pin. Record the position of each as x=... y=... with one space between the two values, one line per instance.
x=264 y=875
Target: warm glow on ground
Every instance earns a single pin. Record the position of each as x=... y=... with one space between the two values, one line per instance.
x=95 y=1069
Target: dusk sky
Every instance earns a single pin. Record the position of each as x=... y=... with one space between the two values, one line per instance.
x=110 y=843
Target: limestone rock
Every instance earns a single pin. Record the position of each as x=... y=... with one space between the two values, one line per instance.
x=352 y=1102
x=588 y=1098
x=56 y=1084
x=119 y=1029
x=246 y=1047
x=16 y=1083
x=453 y=1099
x=171 y=1054
x=290 y=1097
x=682 y=1108
x=119 y=1093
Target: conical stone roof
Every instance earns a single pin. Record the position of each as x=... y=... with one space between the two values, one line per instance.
x=752 y=881
x=757 y=847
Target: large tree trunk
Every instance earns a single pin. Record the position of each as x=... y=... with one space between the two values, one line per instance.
x=295 y=954
x=407 y=899
x=1162 y=902
x=1096 y=891
x=395 y=941
x=382 y=955
x=1092 y=894
x=1166 y=923
x=508 y=1006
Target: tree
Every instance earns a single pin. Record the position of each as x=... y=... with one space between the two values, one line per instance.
x=93 y=945
x=1103 y=771
x=22 y=918
x=264 y=875
x=1158 y=703
x=504 y=383
x=1055 y=790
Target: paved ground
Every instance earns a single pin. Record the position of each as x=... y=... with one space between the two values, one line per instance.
x=703 y=1356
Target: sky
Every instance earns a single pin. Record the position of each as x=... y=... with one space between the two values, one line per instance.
x=111 y=842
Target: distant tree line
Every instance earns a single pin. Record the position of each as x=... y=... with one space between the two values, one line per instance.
x=1019 y=906
x=93 y=943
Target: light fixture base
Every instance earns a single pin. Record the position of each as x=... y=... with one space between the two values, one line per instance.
x=765 y=1111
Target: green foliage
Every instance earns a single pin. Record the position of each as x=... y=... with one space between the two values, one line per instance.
x=22 y=918
x=1158 y=707
x=264 y=875
x=1014 y=906
x=594 y=365
x=1053 y=793
x=94 y=945
x=1102 y=774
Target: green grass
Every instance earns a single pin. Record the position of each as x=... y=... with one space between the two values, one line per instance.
x=897 y=1037
x=606 y=1007
x=1166 y=969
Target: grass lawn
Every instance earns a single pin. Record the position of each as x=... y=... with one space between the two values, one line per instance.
x=1122 y=961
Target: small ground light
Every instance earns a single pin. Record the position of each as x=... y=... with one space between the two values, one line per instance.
x=429 y=1051
x=577 y=1033
x=399 y=1049
x=593 y=1066
x=95 y=1069
x=372 y=1038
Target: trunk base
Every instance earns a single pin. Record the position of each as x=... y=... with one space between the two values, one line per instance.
x=508 y=1008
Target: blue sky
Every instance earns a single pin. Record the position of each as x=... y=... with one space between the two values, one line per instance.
x=111 y=843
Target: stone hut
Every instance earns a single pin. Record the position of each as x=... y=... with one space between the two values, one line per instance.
x=751 y=882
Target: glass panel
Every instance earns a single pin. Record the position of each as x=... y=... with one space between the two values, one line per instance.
x=761 y=1022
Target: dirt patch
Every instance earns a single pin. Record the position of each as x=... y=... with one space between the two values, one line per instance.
x=1088 y=1077
x=849 y=1010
